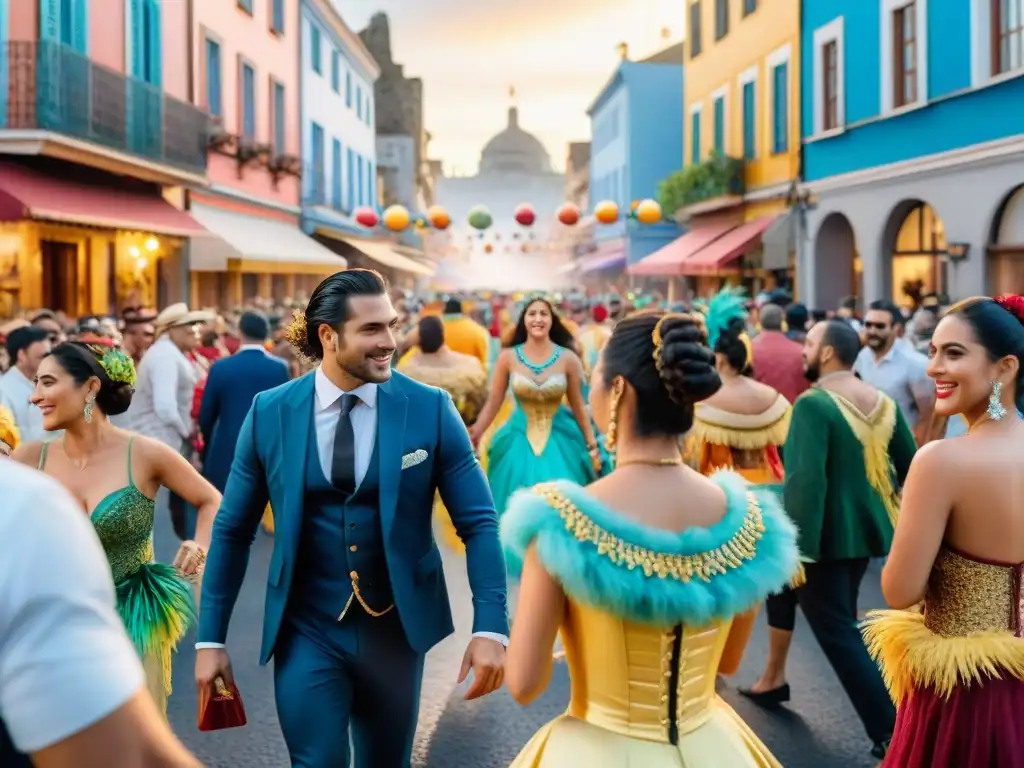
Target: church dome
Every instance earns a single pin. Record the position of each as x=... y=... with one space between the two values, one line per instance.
x=514 y=151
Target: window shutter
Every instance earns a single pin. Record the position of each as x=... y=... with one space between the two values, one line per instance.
x=49 y=20
x=154 y=46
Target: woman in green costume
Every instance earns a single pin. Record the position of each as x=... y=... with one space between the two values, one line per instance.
x=115 y=475
x=542 y=439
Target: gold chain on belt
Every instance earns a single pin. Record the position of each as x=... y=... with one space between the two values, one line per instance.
x=359 y=596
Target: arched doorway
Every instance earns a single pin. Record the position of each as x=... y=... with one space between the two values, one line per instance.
x=1005 y=267
x=837 y=267
x=915 y=240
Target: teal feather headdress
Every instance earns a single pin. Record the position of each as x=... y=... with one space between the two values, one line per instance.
x=726 y=306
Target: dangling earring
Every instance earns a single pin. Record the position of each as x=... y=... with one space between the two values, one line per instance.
x=996 y=410
x=87 y=413
x=611 y=435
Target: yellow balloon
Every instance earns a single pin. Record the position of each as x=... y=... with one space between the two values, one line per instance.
x=396 y=218
x=648 y=212
x=606 y=212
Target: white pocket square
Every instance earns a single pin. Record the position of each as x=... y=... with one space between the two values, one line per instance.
x=414 y=458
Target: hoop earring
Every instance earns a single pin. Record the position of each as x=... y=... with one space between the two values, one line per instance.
x=87 y=412
x=996 y=409
x=611 y=435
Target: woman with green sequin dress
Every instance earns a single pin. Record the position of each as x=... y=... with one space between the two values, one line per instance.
x=115 y=474
x=542 y=439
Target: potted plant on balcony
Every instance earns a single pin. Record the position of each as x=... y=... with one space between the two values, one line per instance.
x=279 y=165
x=717 y=176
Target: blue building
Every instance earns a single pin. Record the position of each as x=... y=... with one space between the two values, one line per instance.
x=913 y=142
x=635 y=124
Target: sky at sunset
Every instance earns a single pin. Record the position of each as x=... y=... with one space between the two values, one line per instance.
x=557 y=55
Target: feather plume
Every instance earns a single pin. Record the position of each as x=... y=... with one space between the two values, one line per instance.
x=725 y=306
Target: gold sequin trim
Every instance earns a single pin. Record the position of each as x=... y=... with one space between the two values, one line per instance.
x=739 y=549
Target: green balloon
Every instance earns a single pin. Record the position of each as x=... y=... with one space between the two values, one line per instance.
x=480 y=218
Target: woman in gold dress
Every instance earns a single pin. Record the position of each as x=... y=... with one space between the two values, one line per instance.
x=952 y=652
x=461 y=376
x=648 y=573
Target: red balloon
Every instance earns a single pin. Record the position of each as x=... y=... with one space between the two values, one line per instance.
x=569 y=214
x=367 y=217
x=525 y=215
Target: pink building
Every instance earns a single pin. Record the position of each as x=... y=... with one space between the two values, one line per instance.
x=245 y=57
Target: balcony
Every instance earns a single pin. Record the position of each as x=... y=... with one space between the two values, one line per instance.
x=54 y=89
x=714 y=183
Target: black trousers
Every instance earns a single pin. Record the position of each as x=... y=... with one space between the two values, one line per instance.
x=781 y=609
x=829 y=603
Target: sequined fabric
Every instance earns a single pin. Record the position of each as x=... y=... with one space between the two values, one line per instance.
x=539 y=403
x=966 y=595
x=124 y=523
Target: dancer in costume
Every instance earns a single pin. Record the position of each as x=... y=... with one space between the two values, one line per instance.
x=742 y=428
x=541 y=439
x=461 y=376
x=115 y=474
x=647 y=573
x=10 y=437
x=955 y=666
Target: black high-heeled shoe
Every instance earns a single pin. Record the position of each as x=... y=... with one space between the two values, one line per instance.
x=770 y=698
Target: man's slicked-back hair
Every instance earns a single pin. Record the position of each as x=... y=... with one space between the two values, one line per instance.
x=329 y=305
x=842 y=337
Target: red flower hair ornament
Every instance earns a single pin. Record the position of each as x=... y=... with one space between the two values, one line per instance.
x=1012 y=304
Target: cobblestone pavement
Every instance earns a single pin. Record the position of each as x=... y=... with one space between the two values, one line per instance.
x=818 y=729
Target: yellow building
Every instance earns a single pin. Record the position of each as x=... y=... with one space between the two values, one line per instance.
x=741 y=145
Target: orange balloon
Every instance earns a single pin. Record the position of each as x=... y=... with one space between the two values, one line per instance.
x=648 y=212
x=488 y=248
x=606 y=212
x=569 y=214
x=438 y=217
x=396 y=218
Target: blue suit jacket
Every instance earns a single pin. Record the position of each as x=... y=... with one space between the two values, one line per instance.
x=230 y=388
x=270 y=462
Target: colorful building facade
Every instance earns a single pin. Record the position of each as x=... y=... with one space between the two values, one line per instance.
x=913 y=122
x=635 y=124
x=741 y=145
x=97 y=137
x=246 y=59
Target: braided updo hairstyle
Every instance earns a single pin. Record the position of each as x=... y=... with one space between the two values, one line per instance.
x=665 y=392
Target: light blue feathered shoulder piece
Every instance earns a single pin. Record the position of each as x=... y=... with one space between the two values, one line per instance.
x=649 y=575
x=727 y=305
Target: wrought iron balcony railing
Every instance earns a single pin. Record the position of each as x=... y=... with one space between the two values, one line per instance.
x=52 y=87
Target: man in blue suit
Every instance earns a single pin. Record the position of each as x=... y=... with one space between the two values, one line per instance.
x=231 y=386
x=350 y=457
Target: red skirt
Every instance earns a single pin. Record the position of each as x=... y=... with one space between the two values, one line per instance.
x=978 y=726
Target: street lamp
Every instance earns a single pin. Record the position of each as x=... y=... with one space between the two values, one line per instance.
x=957 y=251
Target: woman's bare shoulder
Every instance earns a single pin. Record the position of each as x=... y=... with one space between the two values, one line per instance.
x=28 y=453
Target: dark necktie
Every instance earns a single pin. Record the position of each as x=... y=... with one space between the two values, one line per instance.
x=343 y=461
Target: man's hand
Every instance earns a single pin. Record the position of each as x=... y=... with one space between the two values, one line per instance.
x=213 y=663
x=485 y=657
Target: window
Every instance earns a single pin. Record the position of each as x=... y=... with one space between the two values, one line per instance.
x=336 y=71
x=1007 y=35
x=720 y=125
x=721 y=19
x=277 y=16
x=350 y=178
x=370 y=179
x=214 y=101
x=749 y=121
x=314 y=47
x=359 y=102
x=317 y=161
x=749 y=6
x=694 y=29
x=369 y=112
x=348 y=88
x=248 y=98
x=830 y=85
x=279 y=118
x=336 y=174
x=359 y=178
x=780 y=108
x=904 y=40
x=695 y=137
x=245 y=5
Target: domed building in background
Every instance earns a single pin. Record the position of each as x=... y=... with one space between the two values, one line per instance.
x=514 y=169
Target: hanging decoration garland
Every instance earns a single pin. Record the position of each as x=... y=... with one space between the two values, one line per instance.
x=525 y=215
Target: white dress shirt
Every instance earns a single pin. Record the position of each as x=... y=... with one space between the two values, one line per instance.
x=15 y=390
x=162 y=404
x=364 y=429
x=65 y=660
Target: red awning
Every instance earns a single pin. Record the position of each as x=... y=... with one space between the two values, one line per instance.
x=29 y=194
x=727 y=248
x=668 y=261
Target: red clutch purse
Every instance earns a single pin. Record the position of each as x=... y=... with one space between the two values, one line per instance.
x=222 y=709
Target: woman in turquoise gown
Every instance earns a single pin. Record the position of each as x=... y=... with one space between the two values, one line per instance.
x=542 y=438
x=115 y=475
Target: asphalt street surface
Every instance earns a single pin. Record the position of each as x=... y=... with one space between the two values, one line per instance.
x=818 y=729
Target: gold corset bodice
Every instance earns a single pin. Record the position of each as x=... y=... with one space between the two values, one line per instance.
x=644 y=682
x=539 y=404
x=967 y=595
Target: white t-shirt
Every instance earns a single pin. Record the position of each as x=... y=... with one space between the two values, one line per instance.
x=65 y=659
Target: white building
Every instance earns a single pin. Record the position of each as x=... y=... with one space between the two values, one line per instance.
x=339 y=143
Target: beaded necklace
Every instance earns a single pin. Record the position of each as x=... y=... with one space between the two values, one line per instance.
x=538 y=369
